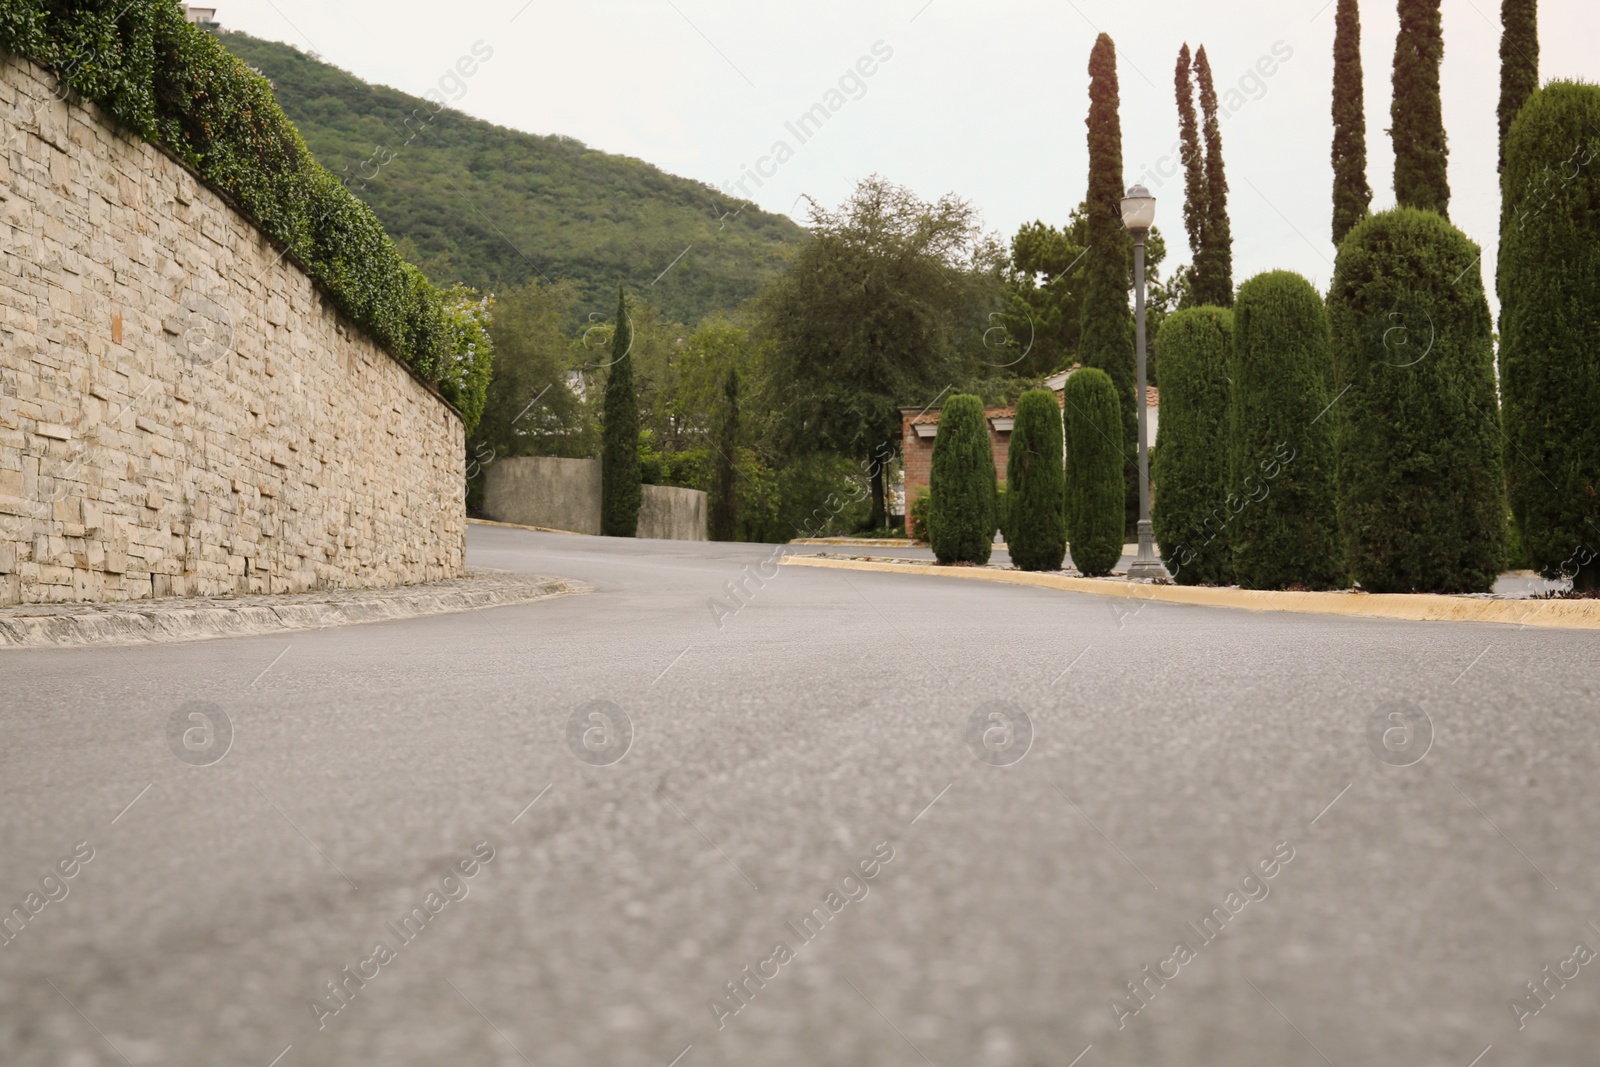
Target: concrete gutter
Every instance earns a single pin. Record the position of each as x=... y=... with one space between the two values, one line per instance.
x=1416 y=607
x=139 y=622
x=522 y=526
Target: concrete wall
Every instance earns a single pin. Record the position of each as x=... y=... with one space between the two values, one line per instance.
x=672 y=513
x=564 y=494
x=181 y=412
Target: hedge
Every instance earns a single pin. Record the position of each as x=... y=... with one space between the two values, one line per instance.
x=1283 y=525
x=1190 y=466
x=1036 y=532
x=1420 y=491
x=1549 y=281
x=1094 y=508
x=175 y=85
x=961 y=519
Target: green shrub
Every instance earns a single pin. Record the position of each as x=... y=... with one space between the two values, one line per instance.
x=1283 y=525
x=1190 y=467
x=1549 y=281
x=1036 y=532
x=174 y=84
x=1420 y=487
x=917 y=515
x=620 y=473
x=1095 y=508
x=961 y=518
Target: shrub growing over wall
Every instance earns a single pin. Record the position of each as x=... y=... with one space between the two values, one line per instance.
x=1283 y=525
x=1036 y=532
x=1190 y=467
x=1550 y=328
x=1418 y=444
x=175 y=85
x=961 y=518
x=1094 y=493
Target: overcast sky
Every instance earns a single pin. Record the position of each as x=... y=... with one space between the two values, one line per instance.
x=986 y=100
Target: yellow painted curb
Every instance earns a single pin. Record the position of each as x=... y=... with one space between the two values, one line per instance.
x=1416 y=607
x=521 y=526
x=865 y=542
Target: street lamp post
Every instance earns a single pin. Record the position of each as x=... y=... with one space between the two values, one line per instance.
x=1138 y=212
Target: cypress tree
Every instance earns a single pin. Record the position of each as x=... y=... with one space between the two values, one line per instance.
x=1283 y=526
x=1351 y=193
x=1094 y=497
x=961 y=514
x=619 y=448
x=724 y=517
x=1106 y=340
x=1216 y=274
x=1035 y=530
x=1416 y=117
x=1194 y=173
x=1190 y=512
x=1519 y=62
x=1421 y=495
x=1550 y=329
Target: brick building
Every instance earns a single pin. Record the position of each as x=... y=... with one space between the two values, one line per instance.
x=919 y=427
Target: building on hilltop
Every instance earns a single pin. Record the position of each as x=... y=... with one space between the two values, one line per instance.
x=204 y=17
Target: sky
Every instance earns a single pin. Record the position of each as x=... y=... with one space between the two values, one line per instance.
x=982 y=99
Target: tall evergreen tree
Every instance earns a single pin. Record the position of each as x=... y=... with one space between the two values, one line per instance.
x=1035 y=530
x=1194 y=173
x=1106 y=341
x=619 y=449
x=1416 y=117
x=1519 y=61
x=1217 y=270
x=1094 y=520
x=724 y=517
x=1351 y=193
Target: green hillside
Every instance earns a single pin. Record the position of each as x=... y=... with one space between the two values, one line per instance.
x=473 y=202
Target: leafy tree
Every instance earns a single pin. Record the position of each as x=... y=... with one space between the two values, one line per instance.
x=1190 y=509
x=1421 y=496
x=1035 y=529
x=1351 y=193
x=1214 y=259
x=1106 y=340
x=469 y=352
x=619 y=452
x=724 y=516
x=1195 y=208
x=876 y=311
x=1416 y=114
x=1550 y=328
x=1283 y=528
x=961 y=518
x=1095 y=510
x=1519 y=62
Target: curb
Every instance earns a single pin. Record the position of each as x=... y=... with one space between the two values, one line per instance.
x=157 y=622
x=869 y=542
x=524 y=526
x=1412 y=607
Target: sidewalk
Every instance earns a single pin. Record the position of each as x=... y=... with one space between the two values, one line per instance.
x=1418 y=607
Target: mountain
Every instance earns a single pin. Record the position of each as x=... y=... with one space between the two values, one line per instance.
x=469 y=201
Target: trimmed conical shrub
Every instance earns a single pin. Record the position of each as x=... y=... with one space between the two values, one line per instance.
x=962 y=513
x=1283 y=524
x=1421 y=501
x=1549 y=280
x=619 y=448
x=1094 y=498
x=1036 y=532
x=1190 y=509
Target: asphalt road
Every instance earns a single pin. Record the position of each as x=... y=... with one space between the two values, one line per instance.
x=1178 y=756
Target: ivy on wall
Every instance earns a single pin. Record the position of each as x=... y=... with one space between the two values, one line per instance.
x=175 y=85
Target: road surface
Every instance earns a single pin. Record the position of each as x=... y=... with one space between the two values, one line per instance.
x=1328 y=840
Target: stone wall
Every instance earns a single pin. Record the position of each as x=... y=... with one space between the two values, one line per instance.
x=564 y=494
x=181 y=410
